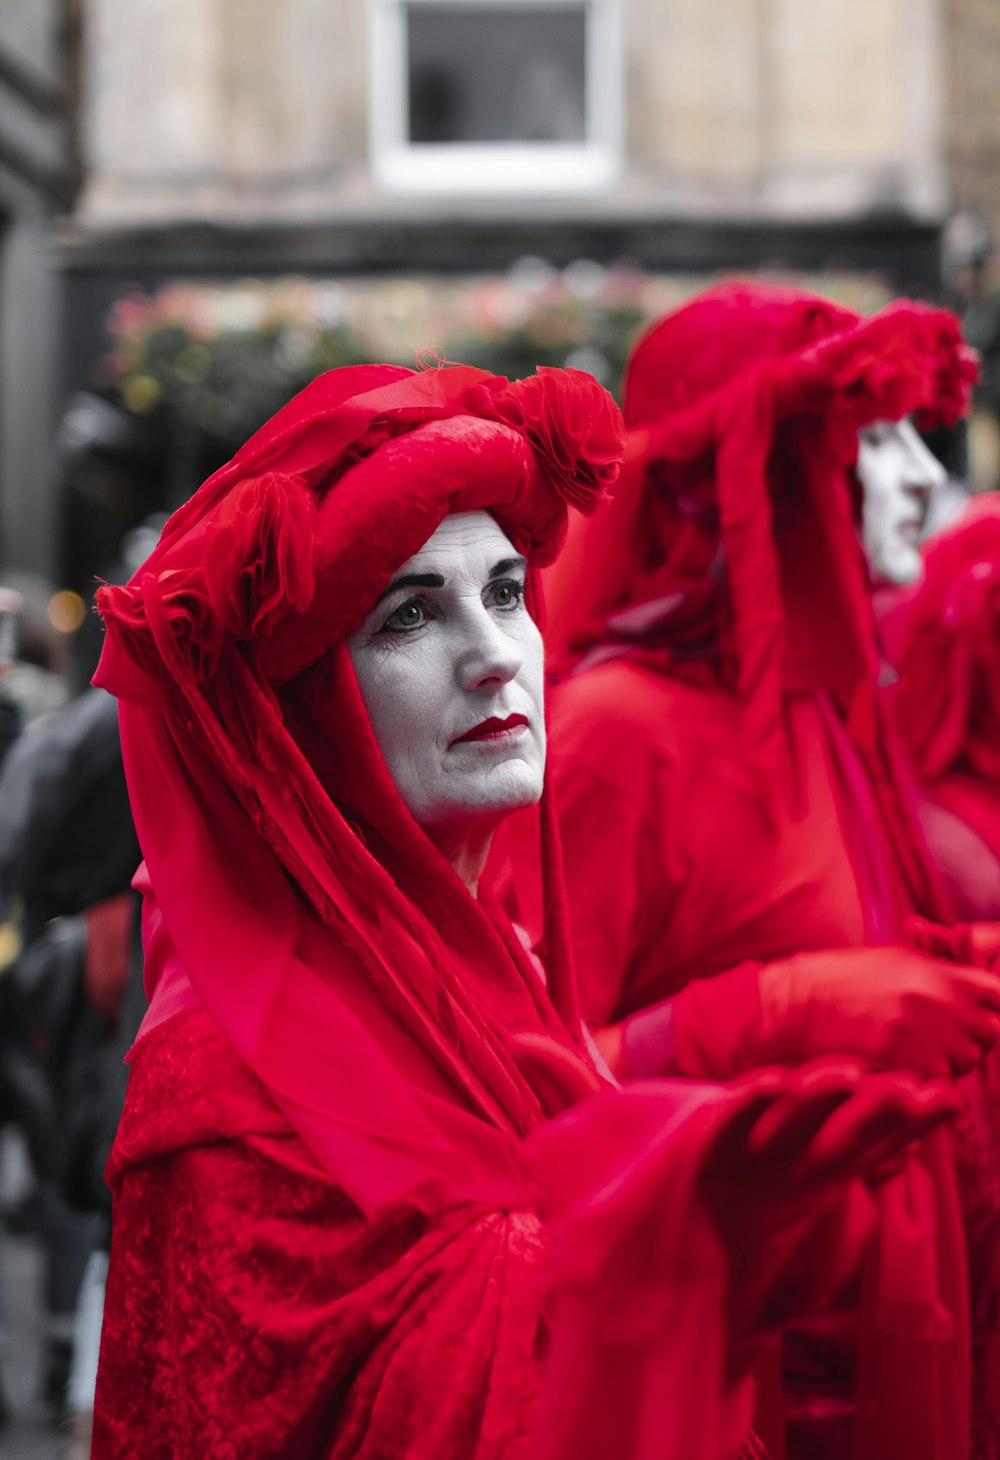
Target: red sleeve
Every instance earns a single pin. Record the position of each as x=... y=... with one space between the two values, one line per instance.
x=251 y=1312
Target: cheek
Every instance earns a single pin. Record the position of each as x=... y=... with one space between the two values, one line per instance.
x=400 y=696
x=884 y=491
x=880 y=514
x=531 y=675
x=532 y=680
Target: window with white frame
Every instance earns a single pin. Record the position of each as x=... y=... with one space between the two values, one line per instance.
x=495 y=95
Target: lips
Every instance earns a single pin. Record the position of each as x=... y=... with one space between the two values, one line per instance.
x=492 y=729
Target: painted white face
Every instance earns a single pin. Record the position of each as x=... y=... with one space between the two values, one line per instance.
x=450 y=667
x=898 y=477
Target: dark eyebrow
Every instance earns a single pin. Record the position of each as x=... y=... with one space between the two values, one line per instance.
x=435 y=580
x=507 y=565
x=411 y=580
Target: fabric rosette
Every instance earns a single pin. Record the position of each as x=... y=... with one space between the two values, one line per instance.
x=247 y=563
x=575 y=430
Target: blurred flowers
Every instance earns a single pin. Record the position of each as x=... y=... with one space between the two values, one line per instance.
x=223 y=358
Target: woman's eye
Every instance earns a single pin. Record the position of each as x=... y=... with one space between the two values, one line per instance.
x=412 y=614
x=505 y=593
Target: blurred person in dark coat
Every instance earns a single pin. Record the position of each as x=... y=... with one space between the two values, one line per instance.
x=67 y=855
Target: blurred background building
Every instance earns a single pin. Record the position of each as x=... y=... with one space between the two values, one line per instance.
x=206 y=201
x=35 y=187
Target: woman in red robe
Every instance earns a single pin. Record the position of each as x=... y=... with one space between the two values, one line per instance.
x=373 y=1194
x=743 y=863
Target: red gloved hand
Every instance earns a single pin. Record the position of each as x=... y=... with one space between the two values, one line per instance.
x=785 y=1193
x=890 y=1008
x=683 y=1219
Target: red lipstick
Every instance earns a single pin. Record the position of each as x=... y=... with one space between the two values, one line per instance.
x=492 y=729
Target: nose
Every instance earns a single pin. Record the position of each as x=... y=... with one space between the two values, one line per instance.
x=924 y=473
x=488 y=657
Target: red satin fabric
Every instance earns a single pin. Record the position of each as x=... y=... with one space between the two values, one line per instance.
x=257 y=1311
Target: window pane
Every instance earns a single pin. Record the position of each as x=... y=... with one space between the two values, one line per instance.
x=492 y=73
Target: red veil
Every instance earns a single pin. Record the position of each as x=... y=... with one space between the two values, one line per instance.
x=731 y=547
x=329 y=1240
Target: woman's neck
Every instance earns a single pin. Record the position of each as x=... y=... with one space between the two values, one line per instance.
x=466 y=849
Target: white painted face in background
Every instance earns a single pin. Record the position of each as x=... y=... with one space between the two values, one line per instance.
x=898 y=475
x=450 y=667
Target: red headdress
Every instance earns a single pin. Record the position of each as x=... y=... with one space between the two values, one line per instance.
x=948 y=695
x=292 y=888
x=733 y=536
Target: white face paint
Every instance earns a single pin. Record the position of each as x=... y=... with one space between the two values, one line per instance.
x=898 y=476
x=450 y=667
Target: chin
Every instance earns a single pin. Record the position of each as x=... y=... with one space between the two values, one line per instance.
x=908 y=568
x=506 y=789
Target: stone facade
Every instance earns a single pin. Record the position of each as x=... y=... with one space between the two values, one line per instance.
x=223 y=110
x=972 y=82
x=775 y=108
x=246 y=110
x=33 y=186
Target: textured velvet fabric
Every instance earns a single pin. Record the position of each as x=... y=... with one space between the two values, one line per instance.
x=254 y=1310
